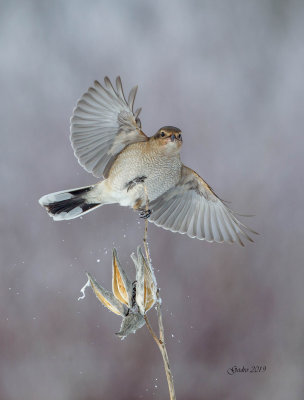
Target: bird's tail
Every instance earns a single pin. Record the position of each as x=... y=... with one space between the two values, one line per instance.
x=69 y=204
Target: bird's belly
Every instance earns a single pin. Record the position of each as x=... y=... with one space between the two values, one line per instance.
x=159 y=176
x=154 y=188
x=157 y=184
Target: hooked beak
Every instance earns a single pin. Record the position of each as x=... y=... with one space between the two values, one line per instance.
x=172 y=137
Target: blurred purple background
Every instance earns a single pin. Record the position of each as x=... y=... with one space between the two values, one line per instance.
x=230 y=75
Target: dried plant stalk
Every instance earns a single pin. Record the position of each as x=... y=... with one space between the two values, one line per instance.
x=160 y=341
x=162 y=348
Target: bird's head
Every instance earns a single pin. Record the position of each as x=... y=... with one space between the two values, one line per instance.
x=169 y=137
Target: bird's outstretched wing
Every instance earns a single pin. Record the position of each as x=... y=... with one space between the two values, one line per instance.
x=102 y=125
x=191 y=207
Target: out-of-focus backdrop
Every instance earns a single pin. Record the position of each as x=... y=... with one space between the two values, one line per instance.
x=230 y=75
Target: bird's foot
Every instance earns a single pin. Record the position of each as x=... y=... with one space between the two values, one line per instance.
x=145 y=214
x=140 y=179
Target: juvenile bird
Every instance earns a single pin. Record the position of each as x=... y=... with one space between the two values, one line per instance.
x=108 y=141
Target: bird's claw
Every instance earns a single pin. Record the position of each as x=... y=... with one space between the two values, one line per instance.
x=140 y=179
x=145 y=214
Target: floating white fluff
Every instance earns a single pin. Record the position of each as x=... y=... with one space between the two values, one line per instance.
x=83 y=289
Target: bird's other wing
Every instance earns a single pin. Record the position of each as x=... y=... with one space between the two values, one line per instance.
x=191 y=207
x=102 y=125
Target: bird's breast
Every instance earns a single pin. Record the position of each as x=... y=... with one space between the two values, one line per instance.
x=161 y=172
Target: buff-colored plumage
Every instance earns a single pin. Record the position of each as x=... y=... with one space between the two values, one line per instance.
x=108 y=141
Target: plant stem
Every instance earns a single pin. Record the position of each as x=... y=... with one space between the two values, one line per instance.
x=161 y=340
x=162 y=348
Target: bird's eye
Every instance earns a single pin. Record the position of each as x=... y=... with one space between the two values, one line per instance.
x=179 y=136
x=162 y=134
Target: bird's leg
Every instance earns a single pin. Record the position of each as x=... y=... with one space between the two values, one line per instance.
x=130 y=185
x=145 y=214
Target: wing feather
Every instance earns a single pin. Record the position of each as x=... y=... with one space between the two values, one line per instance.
x=228 y=237
x=120 y=91
x=200 y=228
x=231 y=227
x=207 y=224
x=192 y=207
x=218 y=237
x=191 y=231
x=168 y=214
x=103 y=124
x=183 y=216
x=173 y=220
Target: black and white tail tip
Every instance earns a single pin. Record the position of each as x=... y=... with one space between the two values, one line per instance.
x=68 y=204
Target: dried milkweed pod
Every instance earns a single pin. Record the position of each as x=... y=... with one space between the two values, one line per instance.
x=129 y=300
x=146 y=286
x=121 y=285
x=107 y=298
